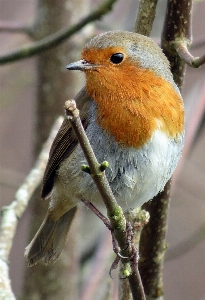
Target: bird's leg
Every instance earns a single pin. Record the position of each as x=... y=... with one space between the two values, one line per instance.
x=130 y=234
x=98 y=214
x=134 y=251
x=105 y=220
x=134 y=257
x=114 y=265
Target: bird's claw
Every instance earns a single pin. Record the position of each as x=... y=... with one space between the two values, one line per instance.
x=134 y=256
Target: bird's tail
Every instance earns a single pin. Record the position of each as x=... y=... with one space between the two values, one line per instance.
x=50 y=239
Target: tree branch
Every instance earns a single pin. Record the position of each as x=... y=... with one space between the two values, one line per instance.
x=138 y=219
x=12 y=213
x=153 y=247
x=145 y=16
x=114 y=212
x=152 y=241
x=177 y=28
x=55 y=39
x=183 y=52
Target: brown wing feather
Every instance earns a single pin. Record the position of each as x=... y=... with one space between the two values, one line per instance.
x=64 y=143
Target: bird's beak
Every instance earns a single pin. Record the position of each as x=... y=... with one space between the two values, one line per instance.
x=81 y=65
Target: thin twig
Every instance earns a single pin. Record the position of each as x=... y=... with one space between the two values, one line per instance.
x=12 y=213
x=190 y=60
x=58 y=37
x=138 y=219
x=114 y=211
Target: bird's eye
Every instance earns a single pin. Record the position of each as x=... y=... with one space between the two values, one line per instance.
x=117 y=58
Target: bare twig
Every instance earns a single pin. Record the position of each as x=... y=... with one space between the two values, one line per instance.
x=138 y=219
x=190 y=60
x=12 y=213
x=177 y=37
x=58 y=37
x=114 y=212
x=95 y=168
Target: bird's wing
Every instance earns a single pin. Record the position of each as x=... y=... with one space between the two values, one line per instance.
x=64 y=143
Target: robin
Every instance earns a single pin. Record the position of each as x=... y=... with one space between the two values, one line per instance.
x=133 y=115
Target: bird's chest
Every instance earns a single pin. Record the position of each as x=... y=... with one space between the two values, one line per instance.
x=136 y=173
x=130 y=111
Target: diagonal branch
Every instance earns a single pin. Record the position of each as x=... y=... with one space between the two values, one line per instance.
x=114 y=212
x=57 y=38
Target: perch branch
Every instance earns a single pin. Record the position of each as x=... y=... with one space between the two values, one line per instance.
x=114 y=212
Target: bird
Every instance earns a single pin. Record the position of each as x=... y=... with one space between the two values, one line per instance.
x=133 y=115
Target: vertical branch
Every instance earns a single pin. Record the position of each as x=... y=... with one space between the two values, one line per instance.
x=145 y=16
x=153 y=244
x=138 y=219
x=177 y=27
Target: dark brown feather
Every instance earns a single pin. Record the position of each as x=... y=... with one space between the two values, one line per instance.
x=64 y=143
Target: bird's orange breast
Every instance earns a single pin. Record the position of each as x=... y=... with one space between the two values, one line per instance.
x=134 y=102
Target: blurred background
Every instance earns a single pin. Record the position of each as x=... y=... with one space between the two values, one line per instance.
x=184 y=274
